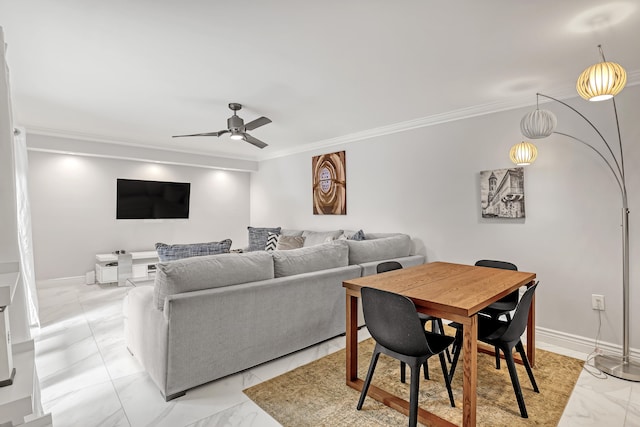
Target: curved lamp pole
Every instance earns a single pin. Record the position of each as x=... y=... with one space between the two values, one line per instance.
x=598 y=82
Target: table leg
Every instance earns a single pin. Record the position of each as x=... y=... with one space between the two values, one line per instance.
x=470 y=377
x=351 y=336
x=531 y=331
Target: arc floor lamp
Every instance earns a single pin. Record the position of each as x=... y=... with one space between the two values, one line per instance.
x=598 y=82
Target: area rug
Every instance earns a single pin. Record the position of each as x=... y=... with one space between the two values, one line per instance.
x=316 y=394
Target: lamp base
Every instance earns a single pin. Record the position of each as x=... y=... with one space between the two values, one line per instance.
x=613 y=366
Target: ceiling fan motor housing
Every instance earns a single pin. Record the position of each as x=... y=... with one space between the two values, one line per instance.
x=235 y=123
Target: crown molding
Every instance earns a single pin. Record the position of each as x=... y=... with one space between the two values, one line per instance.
x=633 y=78
x=74 y=144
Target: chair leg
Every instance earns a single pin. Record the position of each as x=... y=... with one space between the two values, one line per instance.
x=527 y=366
x=438 y=321
x=367 y=381
x=508 y=355
x=508 y=316
x=403 y=371
x=457 y=349
x=413 y=396
x=446 y=379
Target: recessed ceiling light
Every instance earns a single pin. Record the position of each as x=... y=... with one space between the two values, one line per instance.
x=600 y=17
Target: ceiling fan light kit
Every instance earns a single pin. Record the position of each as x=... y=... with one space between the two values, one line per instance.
x=236 y=135
x=237 y=128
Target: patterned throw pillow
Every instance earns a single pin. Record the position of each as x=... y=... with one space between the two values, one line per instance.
x=272 y=241
x=258 y=237
x=353 y=235
x=179 y=251
x=286 y=243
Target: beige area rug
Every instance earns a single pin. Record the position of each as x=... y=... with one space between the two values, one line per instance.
x=316 y=394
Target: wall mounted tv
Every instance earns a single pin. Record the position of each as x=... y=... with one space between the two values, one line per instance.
x=137 y=199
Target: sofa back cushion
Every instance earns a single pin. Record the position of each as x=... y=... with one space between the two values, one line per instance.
x=363 y=251
x=180 y=251
x=194 y=274
x=313 y=258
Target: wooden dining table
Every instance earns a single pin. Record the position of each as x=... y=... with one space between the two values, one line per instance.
x=454 y=292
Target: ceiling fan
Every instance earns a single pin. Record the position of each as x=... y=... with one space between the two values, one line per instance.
x=237 y=128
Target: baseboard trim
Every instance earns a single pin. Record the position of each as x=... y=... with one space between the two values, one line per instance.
x=74 y=280
x=579 y=343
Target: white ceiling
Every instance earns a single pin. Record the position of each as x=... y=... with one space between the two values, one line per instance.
x=137 y=72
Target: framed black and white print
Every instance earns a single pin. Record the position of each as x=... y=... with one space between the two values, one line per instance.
x=502 y=193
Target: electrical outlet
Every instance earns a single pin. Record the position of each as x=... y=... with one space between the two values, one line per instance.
x=597 y=302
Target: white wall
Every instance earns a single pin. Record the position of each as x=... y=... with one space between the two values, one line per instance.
x=73 y=201
x=425 y=182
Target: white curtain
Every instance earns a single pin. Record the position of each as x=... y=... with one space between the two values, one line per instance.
x=25 y=241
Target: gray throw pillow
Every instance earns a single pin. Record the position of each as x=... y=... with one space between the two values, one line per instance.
x=180 y=251
x=353 y=235
x=258 y=237
x=286 y=243
x=312 y=238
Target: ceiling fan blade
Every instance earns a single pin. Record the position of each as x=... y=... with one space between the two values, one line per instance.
x=254 y=141
x=260 y=121
x=222 y=132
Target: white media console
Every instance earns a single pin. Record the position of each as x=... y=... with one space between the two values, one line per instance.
x=113 y=267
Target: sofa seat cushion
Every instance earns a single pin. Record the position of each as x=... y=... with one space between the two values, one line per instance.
x=180 y=251
x=193 y=274
x=309 y=259
x=364 y=251
x=312 y=238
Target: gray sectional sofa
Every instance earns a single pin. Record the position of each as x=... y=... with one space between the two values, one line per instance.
x=211 y=316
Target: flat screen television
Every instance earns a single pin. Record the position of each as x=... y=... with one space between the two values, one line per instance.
x=137 y=199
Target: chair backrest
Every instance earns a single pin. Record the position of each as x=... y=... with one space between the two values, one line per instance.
x=519 y=321
x=392 y=320
x=496 y=264
x=513 y=296
x=388 y=266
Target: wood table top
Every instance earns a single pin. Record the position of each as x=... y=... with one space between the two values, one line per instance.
x=442 y=287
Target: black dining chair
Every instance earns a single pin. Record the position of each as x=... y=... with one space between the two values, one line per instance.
x=504 y=336
x=436 y=326
x=393 y=322
x=505 y=305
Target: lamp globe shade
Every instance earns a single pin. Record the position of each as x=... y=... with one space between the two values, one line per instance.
x=538 y=124
x=601 y=81
x=523 y=153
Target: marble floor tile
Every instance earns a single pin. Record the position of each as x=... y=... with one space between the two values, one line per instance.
x=117 y=359
x=246 y=414
x=633 y=410
x=82 y=373
x=64 y=348
x=97 y=405
x=597 y=402
x=144 y=405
